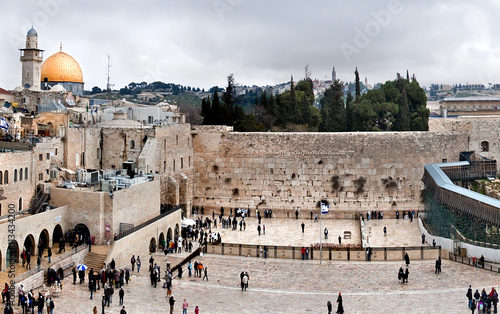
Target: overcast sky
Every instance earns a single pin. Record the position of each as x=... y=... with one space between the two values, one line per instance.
x=198 y=43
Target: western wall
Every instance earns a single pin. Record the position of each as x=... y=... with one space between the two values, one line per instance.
x=294 y=171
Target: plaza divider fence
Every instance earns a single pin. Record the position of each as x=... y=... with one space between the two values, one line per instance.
x=338 y=253
x=473 y=261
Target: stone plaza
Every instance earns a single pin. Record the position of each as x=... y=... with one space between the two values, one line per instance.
x=296 y=286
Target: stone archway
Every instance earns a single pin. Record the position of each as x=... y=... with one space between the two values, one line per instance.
x=152 y=245
x=57 y=234
x=43 y=241
x=169 y=234
x=161 y=240
x=29 y=244
x=176 y=232
x=82 y=229
x=12 y=255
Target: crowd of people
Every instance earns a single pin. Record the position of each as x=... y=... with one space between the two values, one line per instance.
x=484 y=302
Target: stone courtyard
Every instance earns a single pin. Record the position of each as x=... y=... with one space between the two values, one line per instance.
x=296 y=286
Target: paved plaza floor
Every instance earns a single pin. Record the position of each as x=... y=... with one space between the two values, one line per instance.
x=296 y=286
x=291 y=286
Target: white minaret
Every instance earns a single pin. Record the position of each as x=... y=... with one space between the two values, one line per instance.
x=31 y=58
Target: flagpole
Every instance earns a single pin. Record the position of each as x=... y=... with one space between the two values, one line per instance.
x=320 y=242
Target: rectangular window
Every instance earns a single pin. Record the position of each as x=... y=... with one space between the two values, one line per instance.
x=189 y=161
x=174 y=165
x=55 y=153
x=164 y=165
x=40 y=176
x=40 y=157
x=83 y=159
x=182 y=162
x=445 y=160
x=48 y=156
x=99 y=153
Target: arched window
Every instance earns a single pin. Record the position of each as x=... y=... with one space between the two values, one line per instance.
x=6 y=177
x=485 y=146
x=132 y=144
x=26 y=173
x=1 y=177
x=21 y=174
x=15 y=175
x=20 y=203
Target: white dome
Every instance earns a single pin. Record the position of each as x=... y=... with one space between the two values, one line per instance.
x=58 y=88
x=18 y=89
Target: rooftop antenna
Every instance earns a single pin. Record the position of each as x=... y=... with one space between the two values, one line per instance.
x=108 y=85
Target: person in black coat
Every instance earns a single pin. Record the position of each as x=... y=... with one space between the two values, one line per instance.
x=340 y=307
x=407 y=259
x=329 y=307
x=74 y=275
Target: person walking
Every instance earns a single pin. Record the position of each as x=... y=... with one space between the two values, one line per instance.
x=329 y=307
x=138 y=263
x=132 y=262
x=122 y=311
x=205 y=274
x=326 y=233
x=185 y=307
x=473 y=306
x=121 y=294
x=171 y=301
x=340 y=240
x=258 y=229
x=469 y=295
x=302 y=225
x=103 y=302
x=407 y=259
x=385 y=231
x=340 y=307
x=303 y=251
x=196 y=310
x=49 y=254
x=423 y=238
x=433 y=243
x=296 y=214
x=244 y=282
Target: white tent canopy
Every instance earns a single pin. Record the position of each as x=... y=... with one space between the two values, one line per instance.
x=188 y=222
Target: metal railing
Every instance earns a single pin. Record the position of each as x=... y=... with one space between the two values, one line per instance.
x=474 y=262
x=144 y=224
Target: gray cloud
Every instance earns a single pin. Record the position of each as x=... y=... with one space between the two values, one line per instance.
x=198 y=43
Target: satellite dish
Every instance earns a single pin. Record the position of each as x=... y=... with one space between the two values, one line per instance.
x=27 y=85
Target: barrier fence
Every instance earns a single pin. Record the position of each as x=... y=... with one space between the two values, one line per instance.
x=342 y=253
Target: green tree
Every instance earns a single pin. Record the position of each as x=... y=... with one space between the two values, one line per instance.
x=402 y=122
x=216 y=112
x=229 y=100
x=358 y=88
x=334 y=115
x=348 y=111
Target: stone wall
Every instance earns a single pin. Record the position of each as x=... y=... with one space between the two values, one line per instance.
x=289 y=171
x=85 y=206
x=476 y=129
x=21 y=190
x=136 y=204
x=174 y=158
x=86 y=141
x=121 y=144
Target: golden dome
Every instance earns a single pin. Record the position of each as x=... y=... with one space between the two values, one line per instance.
x=61 y=67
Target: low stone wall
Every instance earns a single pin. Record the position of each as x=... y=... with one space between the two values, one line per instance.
x=35 y=279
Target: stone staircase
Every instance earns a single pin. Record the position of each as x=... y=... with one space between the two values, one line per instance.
x=96 y=258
